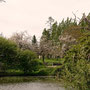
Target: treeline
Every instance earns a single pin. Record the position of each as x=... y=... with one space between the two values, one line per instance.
x=56 y=40
x=70 y=42
x=67 y=42
x=12 y=57
x=75 y=69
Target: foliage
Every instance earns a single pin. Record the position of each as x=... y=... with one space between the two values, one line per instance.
x=50 y=43
x=66 y=40
x=35 y=65
x=25 y=59
x=76 y=66
x=22 y=39
x=8 y=52
x=34 y=40
x=45 y=71
x=35 y=47
x=11 y=57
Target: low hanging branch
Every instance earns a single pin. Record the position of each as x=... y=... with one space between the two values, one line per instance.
x=2 y=1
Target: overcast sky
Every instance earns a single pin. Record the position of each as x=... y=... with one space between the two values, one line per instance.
x=31 y=15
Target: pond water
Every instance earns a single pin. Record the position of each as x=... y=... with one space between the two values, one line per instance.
x=36 y=85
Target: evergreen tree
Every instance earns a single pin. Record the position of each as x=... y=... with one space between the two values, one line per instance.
x=46 y=34
x=50 y=22
x=54 y=31
x=34 y=40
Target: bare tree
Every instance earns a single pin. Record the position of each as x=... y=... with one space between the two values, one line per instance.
x=22 y=39
x=48 y=48
x=67 y=40
x=45 y=47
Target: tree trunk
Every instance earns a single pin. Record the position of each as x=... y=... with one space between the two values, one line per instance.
x=43 y=58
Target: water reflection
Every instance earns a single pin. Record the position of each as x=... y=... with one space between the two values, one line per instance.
x=31 y=86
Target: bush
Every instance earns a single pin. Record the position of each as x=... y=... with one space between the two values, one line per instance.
x=76 y=65
x=35 y=65
x=8 y=52
x=26 y=58
x=43 y=72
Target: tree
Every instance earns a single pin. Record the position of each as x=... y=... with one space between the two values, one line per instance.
x=76 y=65
x=46 y=34
x=50 y=22
x=45 y=47
x=35 y=47
x=45 y=44
x=54 y=31
x=34 y=40
x=22 y=39
x=8 y=52
x=25 y=58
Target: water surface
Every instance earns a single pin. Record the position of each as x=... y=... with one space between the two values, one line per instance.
x=32 y=86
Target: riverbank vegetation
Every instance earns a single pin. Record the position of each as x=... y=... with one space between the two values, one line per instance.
x=63 y=52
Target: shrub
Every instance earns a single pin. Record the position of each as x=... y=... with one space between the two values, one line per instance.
x=76 y=65
x=26 y=58
x=8 y=52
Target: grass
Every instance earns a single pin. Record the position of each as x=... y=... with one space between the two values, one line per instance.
x=20 y=79
x=42 y=70
x=50 y=62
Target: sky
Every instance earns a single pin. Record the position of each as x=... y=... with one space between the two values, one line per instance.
x=32 y=15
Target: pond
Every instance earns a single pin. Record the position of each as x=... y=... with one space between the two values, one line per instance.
x=33 y=85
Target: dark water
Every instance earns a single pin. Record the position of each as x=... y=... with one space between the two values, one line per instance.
x=32 y=86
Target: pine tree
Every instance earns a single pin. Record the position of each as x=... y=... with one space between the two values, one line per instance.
x=50 y=22
x=34 y=40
